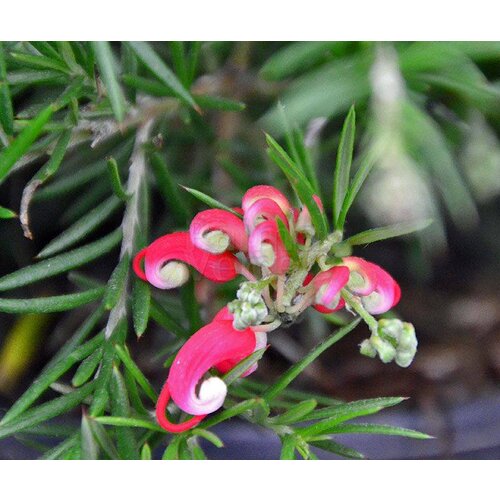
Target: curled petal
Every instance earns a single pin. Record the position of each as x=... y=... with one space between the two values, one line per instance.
x=209 y=347
x=304 y=223
x=165 y=259
x=364 y=275
x=262 y=210
x=378 y=290
x=257 y=192
x=328 y=285
x=214 y=230
x=265 y=248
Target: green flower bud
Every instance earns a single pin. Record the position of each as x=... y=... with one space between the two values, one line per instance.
x=366 y=349
x=386 y=351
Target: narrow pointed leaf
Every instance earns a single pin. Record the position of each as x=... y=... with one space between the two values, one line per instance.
x=146 y=54
x=86 y=369
x=24 y=140
x=286 y=238
x=337 y=448
x=107 y=67
x=295 y=413
x=387 y=430
x=383 y=233
x=146 y=452
x=56 y=303
x=243 y=366
x=6 y=112
x=129 y=422
x=47 y=411
x=136 y=373
x=114 y=178
x=61 y=263
x=343 y=165
x=209 y=436
x=211 y=202
x=7 y=213
x=141 y=301
x=82 y=228
x=90 y=448
x=102 y=438
x=116 y=283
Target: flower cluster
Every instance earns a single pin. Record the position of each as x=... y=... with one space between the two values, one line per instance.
x=281 y=284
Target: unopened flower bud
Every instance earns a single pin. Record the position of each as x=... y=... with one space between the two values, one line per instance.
x=386 y=351
x=366 y=349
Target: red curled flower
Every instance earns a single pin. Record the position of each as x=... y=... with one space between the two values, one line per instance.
x=215 y=230
x=378 y=290
x=328 y=285
x=260 y=211
x=265 y=248
x=165 y=259
x=217 y=345
x=257 y=192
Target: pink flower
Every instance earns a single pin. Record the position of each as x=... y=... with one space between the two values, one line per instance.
x=262 y=210
x=216 y=230
x=165 y=259
x=258 y=192
x=266 y=249
x=216 y=345
x=328 y=285
x=379 y=292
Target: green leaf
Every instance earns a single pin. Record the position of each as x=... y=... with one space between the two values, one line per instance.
x=288 y=443
x=300 y=185
x=141 y=302
x=101 y=394
x=211 y=202
x=86 y=368
x=243 y=366
x=180 y=61
x=136 y=372
x=297 y=57
x=102 y=438
x=146 y=85
x=286 y=238
x=172 y=450
x=338 y=414
x=383 y=233
x=165 y=320
x=153 y=62
x=116 y=283
x=342 y=409
x=61 y=263
x=146 y=452
x=343 y=165
x=24 y=140
x=295 y=413
x=107 y=67
x=114 y=178
x=67 y=356
x=90 y=448
x=337 y=448
x=129 y=422
x=63 y=448
x=294 y=371
x=56 y=303
x=82 y=228
x=45 y=173
x=219 y=103
x=120 y=406
x=47 y=411
x=39 y=77
x=228 y=413
x=357 y=183
x=387 y=430
x=209 y=436
x=39 y=62
x=6 y=112
x=169 y=189
x=6 y=213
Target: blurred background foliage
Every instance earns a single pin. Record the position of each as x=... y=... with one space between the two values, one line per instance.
x=427 y=113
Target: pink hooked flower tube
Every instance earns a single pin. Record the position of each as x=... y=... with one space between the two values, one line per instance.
x=217 y=345
x=378 y=290
x=165 y=259
x=217 y=230
x=327 y=285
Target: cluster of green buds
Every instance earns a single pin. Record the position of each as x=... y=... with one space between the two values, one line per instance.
x=394 y=340
x=249 y=309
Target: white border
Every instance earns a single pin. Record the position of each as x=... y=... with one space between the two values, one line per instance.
x=249 y=20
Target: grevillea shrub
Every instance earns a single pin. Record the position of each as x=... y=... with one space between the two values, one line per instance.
x=193 y=297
